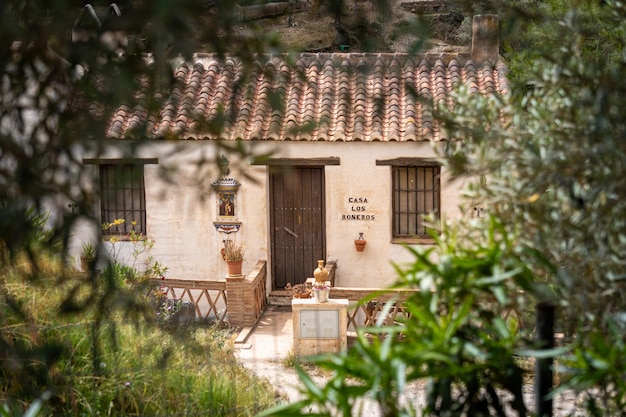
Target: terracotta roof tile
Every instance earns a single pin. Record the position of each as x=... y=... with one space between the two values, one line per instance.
x=327 y=97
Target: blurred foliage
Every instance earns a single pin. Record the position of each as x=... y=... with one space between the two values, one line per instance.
x=553 y=155
x=460 y=340
x=548 y=163
x=554 y=158
x=57 y=94
x=592 y=31
x=532 y=31
x=55 y=98
x=597 y=368
x=108 y=340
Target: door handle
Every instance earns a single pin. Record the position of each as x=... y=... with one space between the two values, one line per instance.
x=291 y=232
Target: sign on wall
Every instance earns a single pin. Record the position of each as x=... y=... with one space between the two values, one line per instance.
x=358 y=209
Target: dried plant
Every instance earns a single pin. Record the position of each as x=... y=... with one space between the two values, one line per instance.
x=299 y=290
x=233 y=251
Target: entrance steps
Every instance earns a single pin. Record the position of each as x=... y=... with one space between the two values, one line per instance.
x=279 y=298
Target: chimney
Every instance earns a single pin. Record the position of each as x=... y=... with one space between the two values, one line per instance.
x=485 y=39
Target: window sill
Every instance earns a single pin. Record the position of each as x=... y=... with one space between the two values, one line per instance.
x=413 y=241
x=124 y=238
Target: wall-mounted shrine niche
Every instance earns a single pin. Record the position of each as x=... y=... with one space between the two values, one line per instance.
x=227 y=205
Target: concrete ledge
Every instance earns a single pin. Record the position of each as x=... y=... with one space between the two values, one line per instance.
x=243 y=335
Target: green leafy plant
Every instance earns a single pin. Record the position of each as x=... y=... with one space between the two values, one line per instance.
x=143 y=266
x=88 y=251
x=460 y=340
x=168 y=308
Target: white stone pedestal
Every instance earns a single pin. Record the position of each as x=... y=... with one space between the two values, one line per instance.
x=319 y=327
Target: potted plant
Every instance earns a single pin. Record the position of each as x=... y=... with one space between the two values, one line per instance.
x=321 y=292
x=88 y=256
x=360 y=243
x=233 y=254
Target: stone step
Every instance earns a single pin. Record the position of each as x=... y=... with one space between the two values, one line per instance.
x=279 y=298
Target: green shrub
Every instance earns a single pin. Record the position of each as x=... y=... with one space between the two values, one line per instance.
x=89 y=364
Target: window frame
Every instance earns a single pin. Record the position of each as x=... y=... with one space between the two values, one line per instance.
x=432 y=190
x=137 y=190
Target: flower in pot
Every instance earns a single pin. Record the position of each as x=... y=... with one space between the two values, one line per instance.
x=233 y=254
x=88 y=256
x=321 y=292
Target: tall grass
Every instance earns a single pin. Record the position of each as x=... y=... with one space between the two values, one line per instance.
x=118 y=367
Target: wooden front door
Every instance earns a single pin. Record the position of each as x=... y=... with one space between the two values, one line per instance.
x=297 y=223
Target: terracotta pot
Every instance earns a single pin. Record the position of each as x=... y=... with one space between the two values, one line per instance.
x=360 y=245
x=234 y=267
x=87 y=264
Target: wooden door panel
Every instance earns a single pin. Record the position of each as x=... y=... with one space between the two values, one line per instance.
x=297 y=222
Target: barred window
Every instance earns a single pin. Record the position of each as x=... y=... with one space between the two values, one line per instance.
x=123 y=196
x=416 y=194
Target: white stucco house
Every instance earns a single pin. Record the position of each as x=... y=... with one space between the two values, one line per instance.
x=352 y=150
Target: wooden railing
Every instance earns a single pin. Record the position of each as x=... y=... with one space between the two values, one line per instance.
x=368 y=313
x=246 y=298
x=208 y=297
x=240 y=300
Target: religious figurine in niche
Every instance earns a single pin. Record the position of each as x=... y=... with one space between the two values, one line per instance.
x=227 y=205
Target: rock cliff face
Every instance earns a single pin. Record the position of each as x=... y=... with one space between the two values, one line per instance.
x=424 y=6
x=304 y=26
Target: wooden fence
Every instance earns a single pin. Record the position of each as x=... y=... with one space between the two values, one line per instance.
x=241 y=300
x=208 y=297
x=238 y=299
x=366 y=314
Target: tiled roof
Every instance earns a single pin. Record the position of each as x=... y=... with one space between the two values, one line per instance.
x=339 y=97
